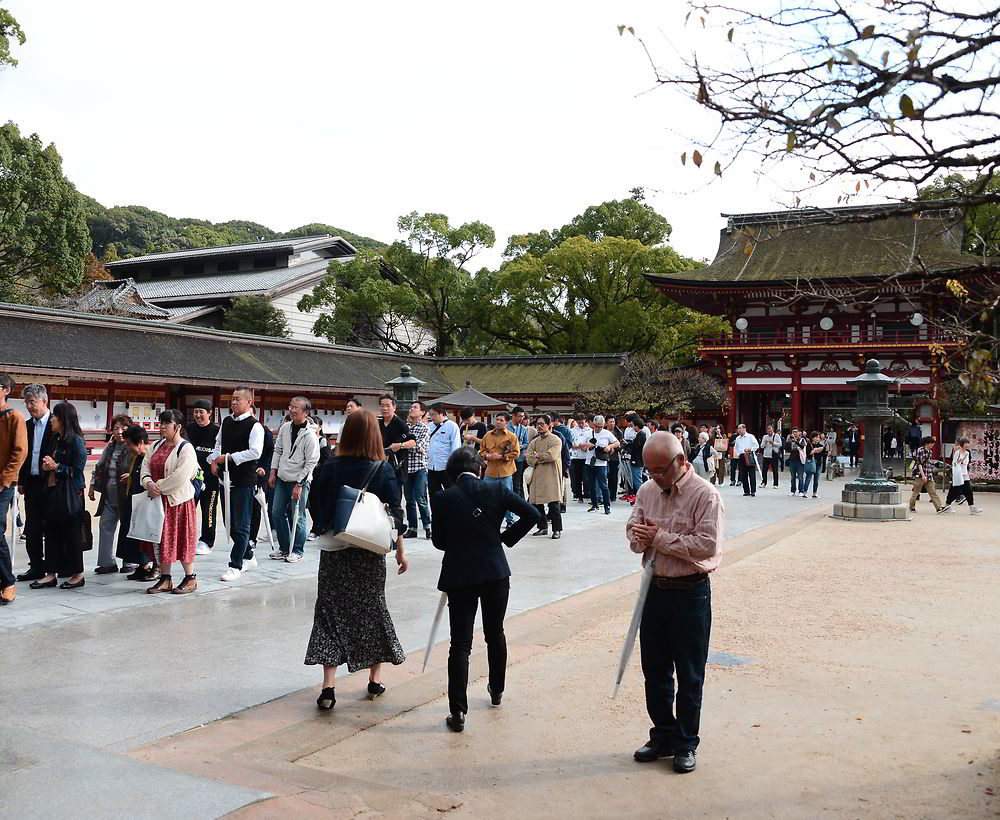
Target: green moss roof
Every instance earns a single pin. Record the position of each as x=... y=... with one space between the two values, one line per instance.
x=534 y=375
x=812 y=244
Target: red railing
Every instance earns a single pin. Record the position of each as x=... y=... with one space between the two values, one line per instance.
x=811 y=337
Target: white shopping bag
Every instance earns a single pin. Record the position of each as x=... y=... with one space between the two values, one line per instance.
x=147 y=518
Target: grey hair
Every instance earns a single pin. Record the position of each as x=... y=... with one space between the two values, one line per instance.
x=702 y=436
x=306 y=404
x=35 y=391
x=598 y=419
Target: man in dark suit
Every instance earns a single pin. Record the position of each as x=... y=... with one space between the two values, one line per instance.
x=467 y=518
x=31 y=478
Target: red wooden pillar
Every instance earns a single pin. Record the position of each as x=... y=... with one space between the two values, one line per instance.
x=111 y=404
x=796 y=393
x=731 y=421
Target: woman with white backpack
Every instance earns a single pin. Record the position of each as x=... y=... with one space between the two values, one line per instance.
x=960 y=483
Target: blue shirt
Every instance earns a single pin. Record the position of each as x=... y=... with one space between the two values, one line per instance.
x=523 y=438
x=443 y=441
x=36 y=447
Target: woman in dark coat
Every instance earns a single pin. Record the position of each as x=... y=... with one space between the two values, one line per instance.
x=351 y=623
x=474 y=569
x=131 y=551
x=63 y=542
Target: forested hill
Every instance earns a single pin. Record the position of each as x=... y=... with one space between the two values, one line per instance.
x=132 y=230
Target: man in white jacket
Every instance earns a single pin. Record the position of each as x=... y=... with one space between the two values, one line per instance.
x=296 y=454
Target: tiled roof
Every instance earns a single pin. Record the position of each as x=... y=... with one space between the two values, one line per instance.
x=119 y=297
x=468 y=396
x=161 y=352
x=291 y=245
x=825 y=244
x=225 y=284
x=535 y=375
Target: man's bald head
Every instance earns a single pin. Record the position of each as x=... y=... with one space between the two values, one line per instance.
x=664 y=458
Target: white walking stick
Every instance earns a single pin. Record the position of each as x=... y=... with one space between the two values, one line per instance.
x=226 y=485
x=434 y=628
x=261 y=497
x=633 y=627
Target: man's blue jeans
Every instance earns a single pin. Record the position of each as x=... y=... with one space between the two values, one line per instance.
x=508 y=482
x=636 y=478
x=798 y=477
x=416 y=496
x=238 y=521
x=284 y=510
x=6 y=570
x=599 y=493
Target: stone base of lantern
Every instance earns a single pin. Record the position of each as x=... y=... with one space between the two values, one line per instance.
x=875 y=503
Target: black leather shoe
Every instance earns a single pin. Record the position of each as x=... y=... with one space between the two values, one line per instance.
x=46 y=585
x=541 y=532
x=327 y=698
x=77 y=585
x=30 y=575
x=556 y=535
x=651 y=752
x=591 y=509
x=495 y=697
x=683 y=762
x=410 y=533
x=375 y=689
x=456 y=722
x=106 y=570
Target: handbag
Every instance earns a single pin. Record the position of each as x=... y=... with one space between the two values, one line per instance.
x=529 y=472
x=86 y=532
x=721 y=445
x=809 y=467
x=360 y=519
x=146 y=523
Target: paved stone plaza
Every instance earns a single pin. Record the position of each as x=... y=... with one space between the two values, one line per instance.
x=849 y=661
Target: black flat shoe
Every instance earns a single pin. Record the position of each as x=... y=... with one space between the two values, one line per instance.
x=30 y=575
x=495 y=697
x=77 y=585
x=43 y=585
x=684 y=762
x=106 y=570
x=410 y=533
x=327 y=698
x=375 y=689
x=456 y=722
x=651 y=752
x=540 y=532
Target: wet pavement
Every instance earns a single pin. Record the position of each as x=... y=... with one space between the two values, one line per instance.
x=91 y=673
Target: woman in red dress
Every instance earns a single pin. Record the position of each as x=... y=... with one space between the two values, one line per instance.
x=167 y=473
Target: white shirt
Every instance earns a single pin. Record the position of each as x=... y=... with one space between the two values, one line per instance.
x=36 y=447
x=442 y=441
x=629 y=433
x=581 y=435
x=772 y=444
x=748 y=441
x=604 y=438
x=252 y=453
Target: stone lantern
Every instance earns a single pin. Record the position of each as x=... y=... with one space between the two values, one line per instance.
x=871 y=496
x=405 y=389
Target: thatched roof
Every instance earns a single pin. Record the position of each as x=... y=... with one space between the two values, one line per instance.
x=528 y=376
x=860 y=242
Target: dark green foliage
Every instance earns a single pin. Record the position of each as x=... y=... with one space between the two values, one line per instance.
x=43 y=234
x=256 y=315
x=9 y=30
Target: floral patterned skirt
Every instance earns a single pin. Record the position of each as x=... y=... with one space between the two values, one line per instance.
x=351 y=623
x=180 y=532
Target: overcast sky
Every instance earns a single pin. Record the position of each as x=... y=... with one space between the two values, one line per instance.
x=517 y=114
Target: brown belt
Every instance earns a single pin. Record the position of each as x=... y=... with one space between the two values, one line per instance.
x=683 y=582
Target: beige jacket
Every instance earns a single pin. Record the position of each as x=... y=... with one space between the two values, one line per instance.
x=544 y=453
x=181 y=467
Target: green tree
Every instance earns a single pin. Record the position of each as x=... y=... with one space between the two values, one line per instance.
x=587 y=296
x=654 y=389
x=9 y=30
x=43 y=233
x=626 y=218
x=415 y=298
x=256 y=315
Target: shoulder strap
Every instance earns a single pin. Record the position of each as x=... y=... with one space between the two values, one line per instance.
x=371 y=475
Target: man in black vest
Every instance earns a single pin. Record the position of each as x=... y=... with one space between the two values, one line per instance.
x=203 y=434
x=31 y=478
x=241 y=440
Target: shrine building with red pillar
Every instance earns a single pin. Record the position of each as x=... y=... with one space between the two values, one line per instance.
x=811 y=294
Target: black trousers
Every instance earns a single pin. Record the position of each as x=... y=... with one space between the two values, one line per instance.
x=961 y=489
x=555 y=516
x=34 y=522
x=734 y=466
x=437 y=480
x=462 y=606
x=613 y=480
x=576 y=468
x=63 y=550
x=673 y=640
x=209 y=502
x=520 y=465
x=748 y=478
x=770 y=464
